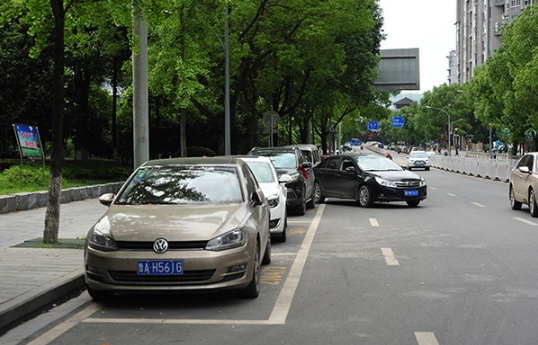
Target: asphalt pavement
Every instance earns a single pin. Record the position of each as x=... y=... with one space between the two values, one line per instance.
x=33 y=278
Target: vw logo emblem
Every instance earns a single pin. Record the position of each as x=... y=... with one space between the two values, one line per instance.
x=160 y=246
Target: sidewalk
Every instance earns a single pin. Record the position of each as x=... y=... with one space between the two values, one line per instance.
x=32 y=278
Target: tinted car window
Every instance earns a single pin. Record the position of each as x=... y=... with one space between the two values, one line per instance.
x=182 y=185
x=332 y=163
x=530 y=162
x=347 y=163
x=523 y=161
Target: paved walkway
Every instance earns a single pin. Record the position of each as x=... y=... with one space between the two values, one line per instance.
x=32 y=278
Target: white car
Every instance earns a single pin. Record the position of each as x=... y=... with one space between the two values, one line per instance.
x=275 y=193
x=418 y=159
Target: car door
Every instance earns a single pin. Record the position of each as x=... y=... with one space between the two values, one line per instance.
x=346 y=181
x=521 y=180
x=327 y=174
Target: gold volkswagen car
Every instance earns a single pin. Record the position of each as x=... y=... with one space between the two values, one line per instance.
x=180 y=225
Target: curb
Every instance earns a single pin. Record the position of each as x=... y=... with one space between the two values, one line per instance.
x=27 y=201
x=31 y=301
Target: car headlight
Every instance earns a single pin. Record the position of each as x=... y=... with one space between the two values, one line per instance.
x=422 y=182
x=273 y=200
x=384 y=182
x=100 y=241
x=231 y=239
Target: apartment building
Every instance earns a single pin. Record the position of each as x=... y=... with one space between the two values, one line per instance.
x=478 y=32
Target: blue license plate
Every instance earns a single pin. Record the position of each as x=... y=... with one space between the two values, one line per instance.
x=159 y=267
x=410 y=192
x=420 y=164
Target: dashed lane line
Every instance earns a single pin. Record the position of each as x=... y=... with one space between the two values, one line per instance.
x=426 y=338
x=479 y=205
x=525 y=221
x=390 y=258
x=451 y=194
x=374 y=222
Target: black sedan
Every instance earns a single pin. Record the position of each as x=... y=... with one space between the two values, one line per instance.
x=367 y=179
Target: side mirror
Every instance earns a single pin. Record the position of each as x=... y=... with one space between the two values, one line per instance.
x=351 y=169
x=524 y=169
x=257 y=198
x=306 y=165
x=285 y=178
x=106 y=199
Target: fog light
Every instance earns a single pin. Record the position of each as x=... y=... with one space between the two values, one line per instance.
x=274 y=223
x=237 y=268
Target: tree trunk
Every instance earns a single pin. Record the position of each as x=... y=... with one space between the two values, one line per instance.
x=183 y=111
x=52 y=214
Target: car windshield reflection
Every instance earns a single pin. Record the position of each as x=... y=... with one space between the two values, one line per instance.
x=375 y=163
x=180 y=185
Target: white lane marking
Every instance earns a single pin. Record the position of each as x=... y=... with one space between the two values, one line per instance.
x=426 y=338
x=433 y=188
x=451 y=194
x=298 y=221
x=477 y=204
x=525 y=221
x=374 y=222
x=57 y=331
x=283 y=303
x=390 y=258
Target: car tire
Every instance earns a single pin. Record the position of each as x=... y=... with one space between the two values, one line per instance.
x=300 y=209
x=514 y=204
x=99 y=295
x=413 y=203
x=427 y=169
x=364 y=196
x=318 y=193
x=312 y=202
x=253 y=288
x=533 y=208
x=267 y=256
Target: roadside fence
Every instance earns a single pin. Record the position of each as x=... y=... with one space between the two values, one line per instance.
x=495 y=169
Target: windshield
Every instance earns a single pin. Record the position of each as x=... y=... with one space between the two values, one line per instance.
x=377 y=163
x=418 y=154
x=179 y=185
x=262 y=171
x=280 y=159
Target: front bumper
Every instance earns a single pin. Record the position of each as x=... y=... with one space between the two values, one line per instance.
x=203 y=270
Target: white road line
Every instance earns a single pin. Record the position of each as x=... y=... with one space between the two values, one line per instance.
x=477 y=204
x=298 y=221
x=426 y=338
x=282 y=305
x=390 y=258
x=451 y=194
x=525 y=221
x=57 y=331
x=374 y=222
x=433 y=188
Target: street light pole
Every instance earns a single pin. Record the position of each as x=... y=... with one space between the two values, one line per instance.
x=448 y=118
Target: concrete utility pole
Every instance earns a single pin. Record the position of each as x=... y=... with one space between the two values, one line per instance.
x=140 y=92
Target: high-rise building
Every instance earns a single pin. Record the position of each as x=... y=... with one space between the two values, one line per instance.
x=478 y=31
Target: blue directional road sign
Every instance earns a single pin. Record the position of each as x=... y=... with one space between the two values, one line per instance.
x=397 y=121
x=373 y=125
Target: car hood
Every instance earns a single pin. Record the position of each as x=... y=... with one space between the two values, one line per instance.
x=396 y=175
x=172 y=222
x=270 y=189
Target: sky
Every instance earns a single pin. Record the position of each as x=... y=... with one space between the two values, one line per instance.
x=424 y=24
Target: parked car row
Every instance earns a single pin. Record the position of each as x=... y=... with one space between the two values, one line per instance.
x=207 y=223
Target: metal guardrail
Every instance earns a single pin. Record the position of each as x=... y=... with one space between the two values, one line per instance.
x=495 y=169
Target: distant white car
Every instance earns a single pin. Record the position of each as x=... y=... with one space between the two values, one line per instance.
x=275 y=192
x=418 y=159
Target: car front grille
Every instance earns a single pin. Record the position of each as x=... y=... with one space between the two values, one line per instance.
x=148 y=246
x=130 y=277
x=408 y=183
